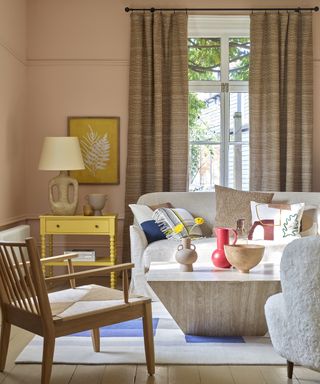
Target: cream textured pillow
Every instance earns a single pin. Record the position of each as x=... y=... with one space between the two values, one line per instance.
x=232 y=205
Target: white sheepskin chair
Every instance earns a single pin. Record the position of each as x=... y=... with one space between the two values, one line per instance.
x=293 y=316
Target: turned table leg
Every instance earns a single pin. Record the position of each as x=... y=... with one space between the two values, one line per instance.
x=113 y=258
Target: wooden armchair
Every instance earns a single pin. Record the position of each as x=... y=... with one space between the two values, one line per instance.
x=25 y=302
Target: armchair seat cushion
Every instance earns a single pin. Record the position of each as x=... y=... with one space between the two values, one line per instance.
x=87 y=298
x=276 y=316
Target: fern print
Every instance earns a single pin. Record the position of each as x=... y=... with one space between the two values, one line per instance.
x=290 y=226
x=95 y=150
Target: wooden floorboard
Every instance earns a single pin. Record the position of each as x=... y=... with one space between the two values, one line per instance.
x=62 y=374
x=160 y=377
x=91 y=374
x=184 y=374
x=306 y=376
x=115 y=374
x=216 y=374
x=137 y=374
x=247 y=375
x=276 y=375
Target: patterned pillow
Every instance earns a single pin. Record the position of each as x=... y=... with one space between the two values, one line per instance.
x=143 y=216
x=168 y=218
x=275 y=221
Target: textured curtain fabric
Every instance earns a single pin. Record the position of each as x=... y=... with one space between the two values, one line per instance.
x=158 y=107
x=281 y=87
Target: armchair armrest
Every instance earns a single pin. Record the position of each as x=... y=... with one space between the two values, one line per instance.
x=115 y=268
x=92 y=272
x=66 y=256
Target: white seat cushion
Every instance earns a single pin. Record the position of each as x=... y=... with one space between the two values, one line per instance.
x=85 y=299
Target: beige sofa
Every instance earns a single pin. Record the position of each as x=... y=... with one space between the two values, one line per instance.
x=201 y=204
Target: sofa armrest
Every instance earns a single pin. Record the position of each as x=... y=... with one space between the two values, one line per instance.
x=138 y=243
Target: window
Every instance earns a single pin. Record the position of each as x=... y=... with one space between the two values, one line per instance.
x=219 y=49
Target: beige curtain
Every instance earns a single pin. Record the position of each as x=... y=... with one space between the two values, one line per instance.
x=158 y=107
x=281 y=87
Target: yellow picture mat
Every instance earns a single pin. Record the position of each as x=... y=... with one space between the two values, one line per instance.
x=99 y=142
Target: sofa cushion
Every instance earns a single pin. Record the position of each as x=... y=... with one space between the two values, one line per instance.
x=232 y=205
x=143 y=216
x=286 y=219
x=169 y=218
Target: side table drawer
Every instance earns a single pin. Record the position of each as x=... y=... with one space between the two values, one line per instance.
x=77 y=226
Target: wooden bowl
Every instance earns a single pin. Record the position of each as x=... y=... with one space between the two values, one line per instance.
x=244 y=256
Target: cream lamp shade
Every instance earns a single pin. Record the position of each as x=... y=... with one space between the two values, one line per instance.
x=62 y=154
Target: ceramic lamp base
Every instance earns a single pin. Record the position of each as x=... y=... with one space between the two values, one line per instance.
x=66 y=200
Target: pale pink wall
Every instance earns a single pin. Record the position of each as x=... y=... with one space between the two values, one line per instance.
x=78 y=63
x=12 y=110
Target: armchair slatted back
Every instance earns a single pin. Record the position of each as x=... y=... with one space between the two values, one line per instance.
x=22 y=284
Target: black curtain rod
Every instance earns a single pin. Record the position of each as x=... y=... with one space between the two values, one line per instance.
x=298 y=9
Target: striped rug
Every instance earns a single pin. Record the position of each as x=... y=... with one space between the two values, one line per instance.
x=123 y=344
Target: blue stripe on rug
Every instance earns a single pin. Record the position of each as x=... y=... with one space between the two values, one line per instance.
x=131 y=328
x=211 y=339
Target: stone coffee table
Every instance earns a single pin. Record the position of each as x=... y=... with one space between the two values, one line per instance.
x=215 y=302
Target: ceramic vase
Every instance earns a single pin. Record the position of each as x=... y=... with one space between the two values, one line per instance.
x=218 y=256
x=186 y=254
x=97 y=202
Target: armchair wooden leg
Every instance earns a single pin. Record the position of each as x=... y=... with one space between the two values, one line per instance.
x=95 y=336
x=4 y=343
x=47 y=359
x=148 y=338
x=289 y=369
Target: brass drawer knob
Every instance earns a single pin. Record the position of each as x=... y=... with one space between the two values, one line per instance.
x=97 y=226
x=58 y=225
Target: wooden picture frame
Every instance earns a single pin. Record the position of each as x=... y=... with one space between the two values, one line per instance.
x=100 y=147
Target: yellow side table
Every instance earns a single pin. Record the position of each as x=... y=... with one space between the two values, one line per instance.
x=80 y=225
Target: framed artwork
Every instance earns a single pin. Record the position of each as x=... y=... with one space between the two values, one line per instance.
x=99 y=142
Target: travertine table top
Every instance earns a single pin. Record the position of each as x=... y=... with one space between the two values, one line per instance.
x=169 y=271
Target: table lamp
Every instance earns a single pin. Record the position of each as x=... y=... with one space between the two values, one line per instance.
x=62 y=154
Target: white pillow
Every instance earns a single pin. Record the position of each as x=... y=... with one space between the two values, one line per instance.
x=141 y=212
x=286 y=219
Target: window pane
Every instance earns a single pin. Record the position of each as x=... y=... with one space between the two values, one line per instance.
x=239 y=53
x=204 y=58
x=205 y=167
x=239 y=116
x=238 y=169
x=204 y=116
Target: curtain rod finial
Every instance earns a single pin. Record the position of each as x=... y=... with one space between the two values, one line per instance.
x=127 y=9
x=316 y=9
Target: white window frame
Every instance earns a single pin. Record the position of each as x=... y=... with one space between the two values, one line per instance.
x=223 y=27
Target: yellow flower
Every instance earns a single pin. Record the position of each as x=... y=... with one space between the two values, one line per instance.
x=178 y=228
x=199 y=220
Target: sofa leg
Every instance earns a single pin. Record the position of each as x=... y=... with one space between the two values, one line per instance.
x=289 y=369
